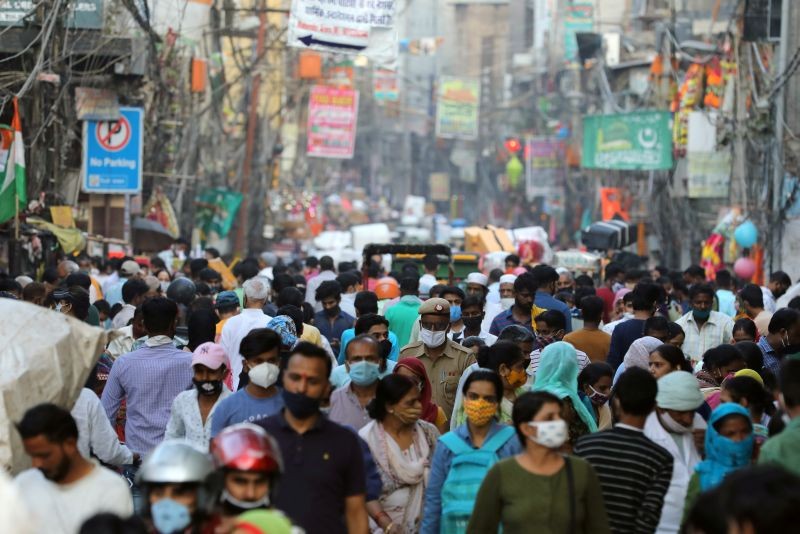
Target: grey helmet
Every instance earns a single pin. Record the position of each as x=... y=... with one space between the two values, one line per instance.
x=181 y=291
x=177 y=462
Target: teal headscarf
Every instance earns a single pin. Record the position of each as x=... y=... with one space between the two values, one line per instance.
x=558 y=374
x=724 y=455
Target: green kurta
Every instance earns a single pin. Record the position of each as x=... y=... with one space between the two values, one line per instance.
x=523 y=502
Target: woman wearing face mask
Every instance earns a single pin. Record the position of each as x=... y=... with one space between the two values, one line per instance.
x=666 y=359
x=718 y=363
x=540 y=490
x=469 y=451
x=402 y=446
x=558 y=374
x=746 y=389
x=414 y=369
x=510 y=363
x=638 y=355
x=594 y=388
x=260 y=398
x=728 y=445
x=193 y=410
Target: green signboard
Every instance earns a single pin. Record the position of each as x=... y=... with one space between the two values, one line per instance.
x=578 y=18
x=636 y=141
x=85 y=14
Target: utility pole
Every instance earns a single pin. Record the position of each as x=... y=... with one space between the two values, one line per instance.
x=242 y=241
x=777 y=162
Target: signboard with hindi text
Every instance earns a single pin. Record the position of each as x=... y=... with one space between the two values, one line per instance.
x=640 y=140
x=457 y=108
x=332 y=121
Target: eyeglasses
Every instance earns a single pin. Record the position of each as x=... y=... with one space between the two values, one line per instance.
x=434 y=327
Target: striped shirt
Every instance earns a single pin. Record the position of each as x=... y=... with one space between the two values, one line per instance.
x=634 y=474
x=717 y=330
x=536 y=356
x=149 y=378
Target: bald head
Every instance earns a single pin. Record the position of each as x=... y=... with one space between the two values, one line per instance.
x=363 y=347
x=66 y=268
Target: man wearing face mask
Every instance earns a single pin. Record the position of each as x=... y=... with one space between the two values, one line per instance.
x=324 y=486
x=226 y=306
x=549 y=330
x=260 y=398
x=704 y=327
x=256 y=292
x=444 y=359
x=472 y=317
x=193 y=410
x=455 y=297
x=332 y=321
x=782 y=340
x=675 y=426
x=376 y=327
x=251 y=466
x=365 y=365
x=520 y=311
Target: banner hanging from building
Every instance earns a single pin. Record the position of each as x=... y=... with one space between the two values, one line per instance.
x=457 y=108
x=639 y=141
x=578 y=17
x=709 y=174
x=385 y=85
x=332 y=120
x=544 y=169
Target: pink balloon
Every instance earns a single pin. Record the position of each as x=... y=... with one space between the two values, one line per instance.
x=744 y=268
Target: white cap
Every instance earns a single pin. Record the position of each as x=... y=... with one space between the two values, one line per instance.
x=478 y=278
x=508 y=279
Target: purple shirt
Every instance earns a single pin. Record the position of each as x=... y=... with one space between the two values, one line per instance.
x=149 y=379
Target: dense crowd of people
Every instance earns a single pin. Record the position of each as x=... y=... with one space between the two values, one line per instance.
x=312 y=398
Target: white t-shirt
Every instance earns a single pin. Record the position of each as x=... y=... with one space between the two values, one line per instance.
x=63 y=508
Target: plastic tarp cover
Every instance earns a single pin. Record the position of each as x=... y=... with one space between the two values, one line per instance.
x=45 y=357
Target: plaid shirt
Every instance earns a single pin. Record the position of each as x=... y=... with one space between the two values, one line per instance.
x=716 y=331
x=149 y=378
x=772 y=361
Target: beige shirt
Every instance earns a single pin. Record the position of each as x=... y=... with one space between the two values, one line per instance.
x=444 y=372
x=762 y=322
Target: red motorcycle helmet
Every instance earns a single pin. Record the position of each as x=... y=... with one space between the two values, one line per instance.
x=246 y=447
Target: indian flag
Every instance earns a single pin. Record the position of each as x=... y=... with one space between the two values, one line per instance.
x=13 y=188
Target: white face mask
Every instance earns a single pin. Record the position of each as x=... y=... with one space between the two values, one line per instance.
x=164 y=286
x=551 y=434
x=507 y=302
x=432 y=339
x=672 y=425
x=264 y=374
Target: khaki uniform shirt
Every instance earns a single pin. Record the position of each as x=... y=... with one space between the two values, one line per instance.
x=444 y=372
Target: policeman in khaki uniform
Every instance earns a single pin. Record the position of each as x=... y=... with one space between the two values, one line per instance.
x=444 y=359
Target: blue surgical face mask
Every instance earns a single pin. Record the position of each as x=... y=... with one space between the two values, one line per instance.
x=455 y=313
x=170 y=516
x=364 y=373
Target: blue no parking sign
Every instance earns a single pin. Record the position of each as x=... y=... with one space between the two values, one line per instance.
x=112 y=154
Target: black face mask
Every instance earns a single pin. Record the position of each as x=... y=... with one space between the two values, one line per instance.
x=386 y=348
x=299 y=405
x=208 y=387
x=472 y=324
x=332 y=312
